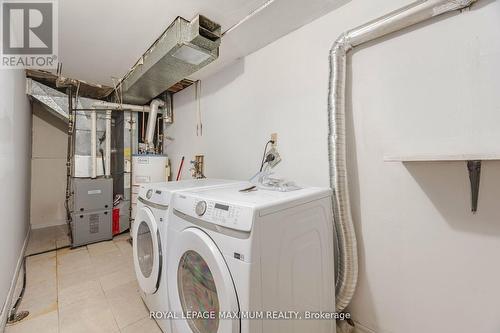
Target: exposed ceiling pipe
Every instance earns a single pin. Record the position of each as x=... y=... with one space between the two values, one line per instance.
x=347 y=263
x=105 y=106
x=150 y=129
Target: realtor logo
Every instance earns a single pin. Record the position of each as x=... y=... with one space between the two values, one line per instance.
x=29 y=34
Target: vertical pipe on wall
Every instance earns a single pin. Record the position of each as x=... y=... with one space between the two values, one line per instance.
x=150 y=129
x=168 y=116
x=93 y=142
x=69 y=160
x=131 y=170
x=347 y=257
x=107 y=159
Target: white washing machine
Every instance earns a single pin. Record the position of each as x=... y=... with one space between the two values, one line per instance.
x=265 y=255
x=149 y=239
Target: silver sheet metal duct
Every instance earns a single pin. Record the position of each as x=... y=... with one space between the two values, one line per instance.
x=183 y=49
x=55 y=102
x=347 y=259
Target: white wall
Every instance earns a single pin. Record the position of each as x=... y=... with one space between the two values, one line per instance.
x=427 y=263
x=15 y=152
x=48 y=169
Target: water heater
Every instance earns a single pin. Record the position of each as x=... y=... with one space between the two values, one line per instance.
x=147 y=169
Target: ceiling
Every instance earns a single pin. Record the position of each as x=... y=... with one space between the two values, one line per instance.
x=100 y=39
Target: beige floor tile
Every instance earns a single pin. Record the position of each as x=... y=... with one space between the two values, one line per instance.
x=69 y=254
x=41 y=268
x=42 y=284
x=118 y=278
x=145 y=325
x=47 y=239
x=90 y=290
x=68 y=279
x=41 y=257
x=63 y=252
x=87 y=316
x=41 y=276
x=37 y=266
x=110 y=262
x=125 y=247
x=40 y=296
x=38 y=306
x=74 y=267
x=126 y=304
x=102 y=248
x=44 y=290
x=40 y=245
x=46 y=323
x=73 y=260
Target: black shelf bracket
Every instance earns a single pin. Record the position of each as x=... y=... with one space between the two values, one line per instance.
x=474 y=168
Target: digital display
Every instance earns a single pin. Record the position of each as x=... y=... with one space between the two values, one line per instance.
x=222 y=207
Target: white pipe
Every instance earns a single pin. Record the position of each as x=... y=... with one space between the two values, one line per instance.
x=93 y=142
x=107 y=158
x=104 y=106
x=419 y=11
x=150 y=129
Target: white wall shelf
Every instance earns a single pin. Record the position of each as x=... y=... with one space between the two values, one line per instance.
x=473 y=162
x=441 y=157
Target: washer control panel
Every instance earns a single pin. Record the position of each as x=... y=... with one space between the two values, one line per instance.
x=220 y=213
x=154 y=195
x=223 y=213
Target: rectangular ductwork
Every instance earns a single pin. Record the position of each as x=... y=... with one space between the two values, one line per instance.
x=183 y=49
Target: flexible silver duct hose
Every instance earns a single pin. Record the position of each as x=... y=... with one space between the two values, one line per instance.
x=150 y=129
x=347 y=256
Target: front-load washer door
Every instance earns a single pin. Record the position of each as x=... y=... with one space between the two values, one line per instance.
x=147 y=251
x=200 y=286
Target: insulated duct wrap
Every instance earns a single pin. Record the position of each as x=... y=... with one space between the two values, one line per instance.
x=347 y=257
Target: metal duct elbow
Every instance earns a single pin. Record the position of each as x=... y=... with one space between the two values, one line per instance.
x=347 y=256
x=150 y=129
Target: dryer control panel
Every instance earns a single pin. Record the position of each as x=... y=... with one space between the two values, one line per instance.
x=221 y=213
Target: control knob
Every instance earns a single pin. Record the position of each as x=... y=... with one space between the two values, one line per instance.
x=201 y=208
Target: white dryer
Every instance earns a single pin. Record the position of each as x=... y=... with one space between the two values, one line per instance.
x=266 y=256
x=149 y=239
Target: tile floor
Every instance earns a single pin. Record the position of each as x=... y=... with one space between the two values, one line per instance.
x=88 y=289
x=48 y=239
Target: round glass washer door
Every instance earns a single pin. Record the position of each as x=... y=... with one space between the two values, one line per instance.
x=147 y=251
x=200 y=283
